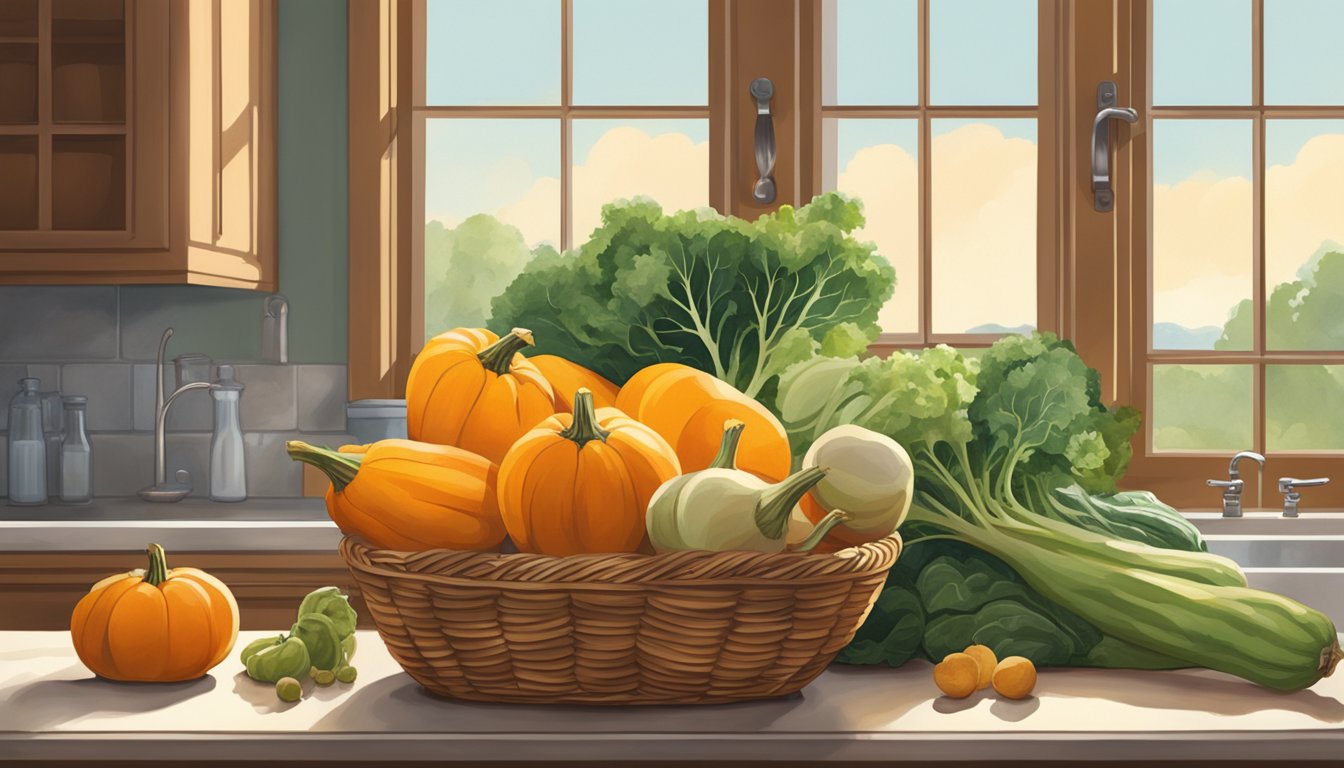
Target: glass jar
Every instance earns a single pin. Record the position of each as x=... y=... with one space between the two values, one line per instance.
x=27 y=447
x=76 y=455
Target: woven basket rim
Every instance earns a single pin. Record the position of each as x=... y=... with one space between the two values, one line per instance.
x=749 y=568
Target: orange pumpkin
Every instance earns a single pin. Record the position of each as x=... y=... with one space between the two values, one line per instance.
x=688 y=408
x=471 y=389
x=567 y=377
x=410 y=496
x=581 y=482
x=156 y=625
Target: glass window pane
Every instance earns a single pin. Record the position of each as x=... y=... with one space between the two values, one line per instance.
x=502 y=52
x=18 y=83
x=1202 y=408
x=1304 y=234
x=877 y=161
x=984 y=225
x=871 y=52
x=1202 y=52
x=18 y=195
x=492 y=192
x=1202 y=234
x=666 y=160
x=1304 y=407
x=88 y=182
x=982 y=52
x=18 y=18
x=641 y=52
x=88 y=61
x=1302 y=62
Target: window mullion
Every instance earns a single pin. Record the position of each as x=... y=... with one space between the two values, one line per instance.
x=925 y=149
x=566 y=139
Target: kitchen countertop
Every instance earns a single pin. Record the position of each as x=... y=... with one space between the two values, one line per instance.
x=193 y=524
x=51 y=707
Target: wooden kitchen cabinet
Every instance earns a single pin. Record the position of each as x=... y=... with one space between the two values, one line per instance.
x=137 y=142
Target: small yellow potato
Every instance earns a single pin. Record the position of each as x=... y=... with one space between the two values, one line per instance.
x=1014 y=677
x=984 y=657
x=957 y=675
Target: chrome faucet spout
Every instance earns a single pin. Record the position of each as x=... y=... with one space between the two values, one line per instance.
x=1238 y=456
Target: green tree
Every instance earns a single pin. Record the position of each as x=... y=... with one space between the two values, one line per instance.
x=467 y=266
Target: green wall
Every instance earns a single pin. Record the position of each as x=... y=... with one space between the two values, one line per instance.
x=313 y=237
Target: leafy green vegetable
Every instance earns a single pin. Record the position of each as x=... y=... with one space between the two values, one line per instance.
x=894 y=631
x=999 y=448
x=742 y=300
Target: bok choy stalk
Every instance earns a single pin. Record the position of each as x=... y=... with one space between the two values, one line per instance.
x=995 y=442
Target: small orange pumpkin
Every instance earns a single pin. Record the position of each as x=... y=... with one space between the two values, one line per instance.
x=567 y=377
x=581 y=482
x=410 y=496
x=471 y=389
x=688 y=408
x=156 y=625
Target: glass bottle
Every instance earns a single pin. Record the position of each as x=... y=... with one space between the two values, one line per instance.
x=53 y=431
x=76 y=455
x=228 y=476
x=27 y=447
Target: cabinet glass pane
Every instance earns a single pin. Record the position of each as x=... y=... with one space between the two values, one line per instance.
x=88 y=182
x=984 y=225
x=1204 y=408
x=666 y=160
x=1302 y=61
x=18 y=83
x=18 y=192
x=88 y=61
x=1304 y=234
x=492 y=193
x=1304 y=407
x=877 y=161
x=1202 y=235
x=18 y=18
x=641 y=52
x=1202 y=52
x=982 y=52
x=871 y=52
x=501 y=52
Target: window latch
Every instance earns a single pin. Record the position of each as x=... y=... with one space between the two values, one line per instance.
x=1103 y=195
x=762 y=90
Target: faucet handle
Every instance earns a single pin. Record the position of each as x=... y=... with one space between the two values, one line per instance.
x=1288 y=487
x=1233 y=486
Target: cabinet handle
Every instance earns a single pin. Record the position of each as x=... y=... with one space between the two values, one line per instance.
x=763 y=191
x=1103 y=195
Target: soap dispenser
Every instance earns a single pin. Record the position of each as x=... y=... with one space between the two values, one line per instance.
x=228 y=476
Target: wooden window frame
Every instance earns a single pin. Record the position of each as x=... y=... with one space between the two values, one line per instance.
x=1178 y=477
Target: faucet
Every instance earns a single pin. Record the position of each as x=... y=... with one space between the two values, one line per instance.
x=1233 y=486
x=1288 y=487
x=162 y=490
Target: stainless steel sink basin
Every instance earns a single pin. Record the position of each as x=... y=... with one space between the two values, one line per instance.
x=1301 y=557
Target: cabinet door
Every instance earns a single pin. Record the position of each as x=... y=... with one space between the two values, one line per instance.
x=230 y=141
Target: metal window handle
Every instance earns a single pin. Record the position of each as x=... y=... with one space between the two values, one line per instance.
x=1288 y=487
x=1103 y=195
x=762 y=90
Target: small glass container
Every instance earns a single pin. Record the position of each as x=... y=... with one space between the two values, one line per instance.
x=53 y=429
x=228 y=473
x=76 y=455
x=27 y=447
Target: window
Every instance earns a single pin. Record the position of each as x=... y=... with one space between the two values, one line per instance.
x=930 y=115
x=1237 y=297
x=532 y=115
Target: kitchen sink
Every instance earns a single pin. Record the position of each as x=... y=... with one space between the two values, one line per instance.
x=1301 y=557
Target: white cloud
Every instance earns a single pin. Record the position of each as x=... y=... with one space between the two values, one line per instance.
x=885 y=177
x=623 y=163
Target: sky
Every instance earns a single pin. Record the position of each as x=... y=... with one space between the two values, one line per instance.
x=982 y=52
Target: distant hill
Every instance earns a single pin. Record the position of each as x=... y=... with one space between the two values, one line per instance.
x=1021 y=330
x=1176 y=336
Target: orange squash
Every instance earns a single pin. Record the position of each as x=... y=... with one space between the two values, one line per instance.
x=567 y=377
x=155 y=625
x=688 y=408
x=471 y=389
x=581 y=482
x=410 y=496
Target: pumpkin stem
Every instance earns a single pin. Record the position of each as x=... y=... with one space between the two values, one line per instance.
x=499 y=356
x=158 y=566
x=776 y=502
x=818 y=533
x=584 y=427
x=727 y=455
x=340 y=467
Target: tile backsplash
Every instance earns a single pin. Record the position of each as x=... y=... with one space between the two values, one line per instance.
x=75 y=339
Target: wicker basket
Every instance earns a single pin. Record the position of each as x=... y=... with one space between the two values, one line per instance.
x=680 y=628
